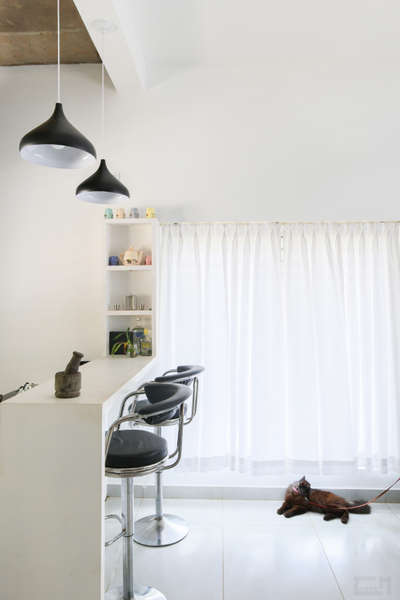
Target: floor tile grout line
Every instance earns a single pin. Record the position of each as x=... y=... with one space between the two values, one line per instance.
x=328 y=561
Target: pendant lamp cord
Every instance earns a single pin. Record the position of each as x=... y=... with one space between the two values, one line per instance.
x=102 y=93
x=58 y=53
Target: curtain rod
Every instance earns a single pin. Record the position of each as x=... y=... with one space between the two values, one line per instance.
x=275 y=222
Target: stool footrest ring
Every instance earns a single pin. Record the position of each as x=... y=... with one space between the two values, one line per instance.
x=120 y=534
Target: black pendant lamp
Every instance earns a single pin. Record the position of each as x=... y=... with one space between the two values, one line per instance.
x=57 y=143
x=102 y=187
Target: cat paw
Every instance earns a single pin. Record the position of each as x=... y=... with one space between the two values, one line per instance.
x=279 y=511
x=329 y=517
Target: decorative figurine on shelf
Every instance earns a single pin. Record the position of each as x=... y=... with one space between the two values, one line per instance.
x=113 y=261
x=134 y=213
x=68 y=382
x=148 y=259
x=131 y=257
x=108 y=213
x=120 y=213
x=150 y=213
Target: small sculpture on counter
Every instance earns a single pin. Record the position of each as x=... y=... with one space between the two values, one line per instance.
x=108 y=213
x=148 y=259
x=150 y=213
x=131 y=257
x=120 y=213
x=68 y=382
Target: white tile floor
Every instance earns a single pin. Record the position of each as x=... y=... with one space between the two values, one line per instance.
x=239 y=549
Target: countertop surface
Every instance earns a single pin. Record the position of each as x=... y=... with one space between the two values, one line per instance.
x=101 y=378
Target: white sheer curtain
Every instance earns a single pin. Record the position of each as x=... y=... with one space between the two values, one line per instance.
x=298 y=327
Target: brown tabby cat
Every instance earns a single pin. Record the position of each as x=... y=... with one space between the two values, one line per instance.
x=300 y=492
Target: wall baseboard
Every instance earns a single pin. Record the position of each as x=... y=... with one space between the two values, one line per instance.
x=204 y=492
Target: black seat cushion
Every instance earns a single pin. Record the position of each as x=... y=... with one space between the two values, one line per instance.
x=135 y=448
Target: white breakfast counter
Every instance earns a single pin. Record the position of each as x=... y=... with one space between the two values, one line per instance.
x=52 y=484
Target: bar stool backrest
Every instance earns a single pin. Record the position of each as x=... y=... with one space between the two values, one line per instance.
x=167 y=395
x=182 y=374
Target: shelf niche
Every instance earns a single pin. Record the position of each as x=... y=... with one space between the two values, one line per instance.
x=136 y=280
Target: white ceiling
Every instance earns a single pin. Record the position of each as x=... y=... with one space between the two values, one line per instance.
x=158 y=38
x=314 y=36
x=164 y=35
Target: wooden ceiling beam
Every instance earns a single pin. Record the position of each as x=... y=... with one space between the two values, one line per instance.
x=28 y=33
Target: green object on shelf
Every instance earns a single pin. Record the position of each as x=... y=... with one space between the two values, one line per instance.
x=131 y=346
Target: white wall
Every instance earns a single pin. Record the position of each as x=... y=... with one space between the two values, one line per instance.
x=221 y=144
x=210 y=143
x=50 y=244
x=265 y=109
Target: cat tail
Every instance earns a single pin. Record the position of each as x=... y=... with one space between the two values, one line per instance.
x=363 y=510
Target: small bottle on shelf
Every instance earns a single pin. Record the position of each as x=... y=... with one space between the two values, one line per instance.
x=146 y=344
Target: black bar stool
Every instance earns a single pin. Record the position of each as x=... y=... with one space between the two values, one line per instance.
x=133 y=453
x=161 y=529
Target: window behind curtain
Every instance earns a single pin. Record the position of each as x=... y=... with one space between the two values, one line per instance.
x=298 y=327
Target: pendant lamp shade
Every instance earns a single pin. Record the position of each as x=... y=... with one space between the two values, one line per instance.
x=102 y=188
x=57 y=143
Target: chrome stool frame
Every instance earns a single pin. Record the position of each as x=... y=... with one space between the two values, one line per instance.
x=129 y=590
x=164 y=529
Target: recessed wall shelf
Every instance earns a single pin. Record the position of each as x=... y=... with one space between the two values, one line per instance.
x=129 y=268
x=129 y=313
x=131 y=283
x=131 y=221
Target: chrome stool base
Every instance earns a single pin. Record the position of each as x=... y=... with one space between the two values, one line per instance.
x=142 y=592
x=157 y=532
